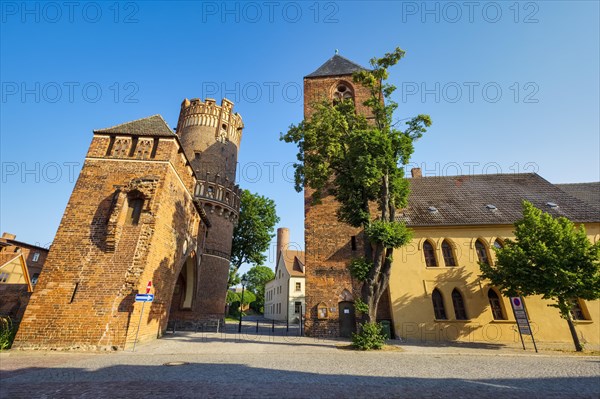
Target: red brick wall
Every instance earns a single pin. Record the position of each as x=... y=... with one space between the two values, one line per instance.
x=328 y=241
x=98 y=261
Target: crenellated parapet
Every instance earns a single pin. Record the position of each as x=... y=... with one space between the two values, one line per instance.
x=219 y=196
x=227 y=125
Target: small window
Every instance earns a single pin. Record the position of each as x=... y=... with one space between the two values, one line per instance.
x=459 y=305
x=134 y=210
x=577 y=311
x=496 y=305
x=36 y=257
x=482 y=254
x=429 y=253
x=298 y=286
x=438 y=305
x=4 y=277
x=297 y=307
x=353 y=242
x=448 y=254
x=34 y=279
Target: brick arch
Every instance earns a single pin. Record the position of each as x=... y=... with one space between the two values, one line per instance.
x=346 y=296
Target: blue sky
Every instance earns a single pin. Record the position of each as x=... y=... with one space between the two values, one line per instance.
x=510 y=86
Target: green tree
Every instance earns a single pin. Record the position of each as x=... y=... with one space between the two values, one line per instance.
x=548 y=257
x=253 y=232
x=360 y=163
x=258 y=276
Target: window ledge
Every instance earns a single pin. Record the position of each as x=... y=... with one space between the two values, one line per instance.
x=451 y=321
x=583 y=321
x=503 y=321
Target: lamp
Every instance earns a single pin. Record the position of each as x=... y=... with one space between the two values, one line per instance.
x=244 y=282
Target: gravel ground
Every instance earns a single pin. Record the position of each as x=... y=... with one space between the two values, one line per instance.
x=210 y=365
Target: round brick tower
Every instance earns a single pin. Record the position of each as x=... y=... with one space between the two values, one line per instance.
x=210 y=135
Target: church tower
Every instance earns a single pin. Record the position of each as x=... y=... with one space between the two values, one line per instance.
x=210 y=135
x=329 y=243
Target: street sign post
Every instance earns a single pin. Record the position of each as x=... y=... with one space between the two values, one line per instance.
x=143 y=298
x=520 y=312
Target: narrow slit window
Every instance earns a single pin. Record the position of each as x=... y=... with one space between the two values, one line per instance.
x=134 y=210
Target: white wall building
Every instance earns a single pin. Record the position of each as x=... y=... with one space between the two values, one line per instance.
x=284 y=295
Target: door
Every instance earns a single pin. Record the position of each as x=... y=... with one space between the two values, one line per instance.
x=347 y=319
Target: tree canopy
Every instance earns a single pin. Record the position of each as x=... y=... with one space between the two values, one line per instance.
x=360 y=162
x=253 y=232
x=548 y=257
x=258 y=276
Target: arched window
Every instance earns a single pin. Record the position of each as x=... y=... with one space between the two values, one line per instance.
x=459 y=305
x=496 y=305
x=438 y=305
x=429 y=253
x=498 y=244
x=577 y=312
x=342 y=92
x=482 y=253
x=448 y=254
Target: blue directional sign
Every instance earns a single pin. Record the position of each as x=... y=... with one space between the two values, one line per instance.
x=144 y=297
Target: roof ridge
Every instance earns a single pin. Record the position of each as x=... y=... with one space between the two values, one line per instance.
x=134 y=121
x=477 y=175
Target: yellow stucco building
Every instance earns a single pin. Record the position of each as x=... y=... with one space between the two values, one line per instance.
x=435 y=289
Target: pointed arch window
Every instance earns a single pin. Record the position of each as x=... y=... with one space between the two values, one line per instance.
x=496 y=305
x=482 y=253
x=448 y=253
x=342 y=92
x=459 y=305
x=498 y=244
x=577 y=312
x=438 y=305
x=429 y=252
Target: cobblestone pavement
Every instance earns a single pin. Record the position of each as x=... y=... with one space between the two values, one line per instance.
x=211 y=365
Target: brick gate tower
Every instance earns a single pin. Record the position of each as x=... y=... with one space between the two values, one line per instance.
x=149 y=205
x=210 y=135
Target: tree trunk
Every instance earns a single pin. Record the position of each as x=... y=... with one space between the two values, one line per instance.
x=377 y=283
x=578 y=346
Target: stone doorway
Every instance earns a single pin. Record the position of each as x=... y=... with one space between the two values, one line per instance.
x=347 y=319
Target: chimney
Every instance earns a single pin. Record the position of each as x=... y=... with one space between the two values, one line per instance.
x=283 y=239
x=416 y=172
x=8 y=236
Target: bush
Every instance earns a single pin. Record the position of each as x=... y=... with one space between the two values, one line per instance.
x=369 y=337
x=7 y=332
